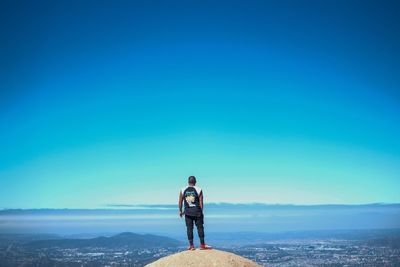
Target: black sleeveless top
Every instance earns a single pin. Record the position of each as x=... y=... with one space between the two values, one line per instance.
x=191 y=200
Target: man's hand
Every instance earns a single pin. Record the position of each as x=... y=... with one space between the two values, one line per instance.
x=180 y=213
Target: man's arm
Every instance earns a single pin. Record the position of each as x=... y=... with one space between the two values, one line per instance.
x=180 y=203
x=201 y=200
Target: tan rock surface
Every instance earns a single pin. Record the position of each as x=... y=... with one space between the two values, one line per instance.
x=203 y=258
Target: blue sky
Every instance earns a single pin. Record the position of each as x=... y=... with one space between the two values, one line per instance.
x=264 y=101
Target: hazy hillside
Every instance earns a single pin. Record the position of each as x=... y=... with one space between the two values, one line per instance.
x=122 y=240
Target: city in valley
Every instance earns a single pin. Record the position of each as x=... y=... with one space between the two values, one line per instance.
x=366 y=248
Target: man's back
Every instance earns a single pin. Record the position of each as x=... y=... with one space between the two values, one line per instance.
x=191 y=198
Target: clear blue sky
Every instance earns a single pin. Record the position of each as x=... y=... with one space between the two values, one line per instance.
x=106 y=102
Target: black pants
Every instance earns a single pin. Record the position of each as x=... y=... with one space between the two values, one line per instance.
x=189 y=227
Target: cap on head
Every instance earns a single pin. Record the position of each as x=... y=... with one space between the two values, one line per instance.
x=192 y=180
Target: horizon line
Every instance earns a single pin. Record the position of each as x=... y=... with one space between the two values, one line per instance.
x=122 y=206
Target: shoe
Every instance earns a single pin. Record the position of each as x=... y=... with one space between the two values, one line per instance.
x=204 y=246
x=191 y=247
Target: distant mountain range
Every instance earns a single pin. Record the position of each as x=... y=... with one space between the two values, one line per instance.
x=164 y=219
x=166 y=208
x=122 y=240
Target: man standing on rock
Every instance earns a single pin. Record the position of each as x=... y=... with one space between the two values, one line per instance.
x=192 y=196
